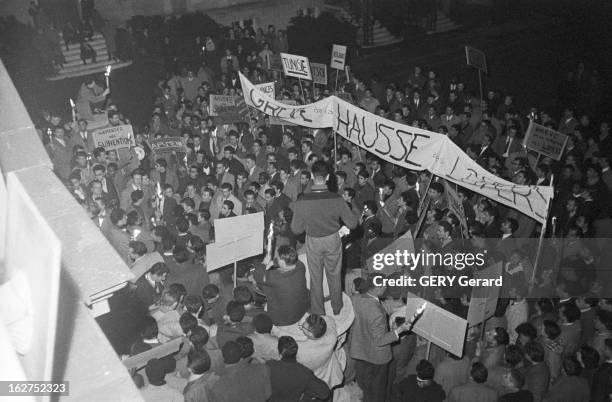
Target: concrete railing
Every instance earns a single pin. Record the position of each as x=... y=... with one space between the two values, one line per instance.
x=91 y=270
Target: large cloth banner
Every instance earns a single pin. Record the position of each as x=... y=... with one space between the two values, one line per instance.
x=406 y=146
x=315 y=115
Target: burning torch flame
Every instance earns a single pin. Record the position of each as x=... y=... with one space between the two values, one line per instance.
x=108 y=70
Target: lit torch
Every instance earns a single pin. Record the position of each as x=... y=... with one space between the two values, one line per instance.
x=107 y=75
x=73 y=108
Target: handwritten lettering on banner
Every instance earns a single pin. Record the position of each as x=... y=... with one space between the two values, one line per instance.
x=407 y=146
x=546 y=141
x=457 y=167
x=296 y=66
x=268 y=89
x=315 y=115
x=113 y=138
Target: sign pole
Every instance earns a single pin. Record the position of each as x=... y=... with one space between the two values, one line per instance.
x=480 y=83
x=460 y=225
x=301 y=88
x=540 y=243
x=336 y=86
x=428 y=349
x=335 y=149
x=235 y=274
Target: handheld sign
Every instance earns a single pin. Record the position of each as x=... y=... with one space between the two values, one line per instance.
x=436 y=324
x=319 y=73
x=338 y=57
x=296 y=66
x=483 y=301
x=476 y=58
x=546 y=141
x=166 y=145
x=113 y=138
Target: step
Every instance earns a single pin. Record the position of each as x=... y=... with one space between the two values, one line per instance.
x=77 y=48
x=101 y=62
x=87 y=70
x=77 y=56
x=386 y=43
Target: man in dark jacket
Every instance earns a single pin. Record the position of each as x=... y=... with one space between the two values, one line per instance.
x=318 y=213
x=291 y=381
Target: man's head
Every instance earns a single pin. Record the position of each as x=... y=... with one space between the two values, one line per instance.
x=287 y=348
x=227 y=208
x=479 y=373
x=314 y=327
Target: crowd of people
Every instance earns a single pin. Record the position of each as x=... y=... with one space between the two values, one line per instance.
x=321 y=327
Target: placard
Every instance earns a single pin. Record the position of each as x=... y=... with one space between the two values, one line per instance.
x=267 y=88
x=404 y=242
x=438 y=325
x=319 y=73
x=545 y=141
x=236 y=238
x=483 y=301
x=115 y=137
x=226 y=109
x=167 y=145
x=296 y=66
x=476 y=58
x=338 y=57
x=141 y=359
x=29 y=299
x=276 y=63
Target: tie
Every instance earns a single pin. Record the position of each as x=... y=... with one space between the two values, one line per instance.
x=508 y=142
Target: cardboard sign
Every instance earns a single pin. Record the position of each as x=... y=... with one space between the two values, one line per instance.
x=438 y=325
x=236 y=238
x=140 y=360
x=338 y=57
x=276 y=63
x=319 y=73
x=476 y=58
x=267 y=88
x=29 y=296
x=296 y=66
x=483 y=301
x=227 y=110
x=113 y=138
x=546 y=141
x=405 y=242
x=276 y=121
x=167 y=145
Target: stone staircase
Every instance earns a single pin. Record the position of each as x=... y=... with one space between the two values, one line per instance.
x=443 y=24
x=74 y=66
x=381 y=36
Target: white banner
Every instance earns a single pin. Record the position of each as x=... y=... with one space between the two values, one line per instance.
x=296 y=66
x=314 y=115
x=268 y=89
x=406 y=146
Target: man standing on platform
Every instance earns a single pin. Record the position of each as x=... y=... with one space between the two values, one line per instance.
x=318 y=213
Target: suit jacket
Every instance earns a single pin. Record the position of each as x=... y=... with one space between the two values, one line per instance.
x=193 y=276
x=243 y=382
x=168 y=210
x=144 y=263
x=199 y=390
x=88 y=144
x=472 y=392
x=291 y=381
x=370 y=338
x=120 y=241
x=254 y=175
x=61 y=155
x=537 y=378
x=171 y=178
x=570 y=337
x=499 y=145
